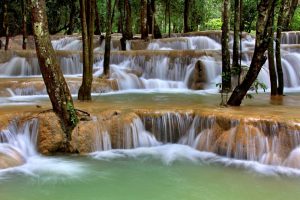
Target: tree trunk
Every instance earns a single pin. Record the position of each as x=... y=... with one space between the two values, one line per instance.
x=107 y=41
x=56 y=85
x=144 y=29
x=261 y=45
x=236 y=68
x=289 y=13
x=97 y=20
x=226 y=74
x=71 y=17
x=127 y=32
x=113 y=12
x=281 y=14
x=150 y=16
x=5 y=23
x=169 y=15
x=272 y=71
x=24 y=23
x=186 y=14
x=87 y=11
x=121 y=16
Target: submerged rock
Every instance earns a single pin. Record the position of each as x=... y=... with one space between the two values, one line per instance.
x=9 y=157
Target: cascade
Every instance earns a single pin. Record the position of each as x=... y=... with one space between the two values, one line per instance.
x=135 y=135
x=291 y=37
x=185 y=43
x=18 y=143
x=264 y=142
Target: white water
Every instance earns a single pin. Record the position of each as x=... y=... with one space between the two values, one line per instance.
x=18 y=142
x=154 y=73
x=170 y=153
x=185 y=43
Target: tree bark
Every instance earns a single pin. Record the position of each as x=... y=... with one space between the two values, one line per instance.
x=71 y=17
x=289 y=13
x=186 y=15
x=236 y=68
x=226 y=74
x=87 y=10
x=127 y=31
x=144 y=29
x=272 y=71
x=150 y=12
x=97 y=20
x=5 y=23
x=261 y=45
x=281 y=16
x=56 y=85
x=169 y=15
x=107 y=41
x=24 y=23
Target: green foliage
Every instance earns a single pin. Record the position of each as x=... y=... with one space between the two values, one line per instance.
x=295 y=23
x=255 y=87
x=70 y=108
x=214 y=24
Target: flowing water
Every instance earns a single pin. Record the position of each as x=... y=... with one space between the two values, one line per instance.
x=170 y=146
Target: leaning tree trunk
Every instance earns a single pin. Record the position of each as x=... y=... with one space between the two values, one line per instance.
x=236 y=68
x=186 y=14
x=226 y=75
x=272 y=70
x=24 y=23
x=107 y=41
x=144 y=29
x=261 y=45
x=56 y=85
x=5 y=23
x=87 y=12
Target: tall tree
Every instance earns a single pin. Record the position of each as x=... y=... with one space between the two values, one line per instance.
x=261 y=44
x=107 y=41
x=97 y=20
x=56 y=85
x=186 y=15
x=71 y=25
x=236 y=68
x=289 y=13
x=281 y=16
x=271 y=60
x=143 y=19
x=87 y=11
x=226 y=74
x=5 y=23
x=24 y=23
x=127 y=30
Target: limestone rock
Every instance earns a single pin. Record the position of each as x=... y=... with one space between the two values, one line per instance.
x=9 y=157
x=51 y=135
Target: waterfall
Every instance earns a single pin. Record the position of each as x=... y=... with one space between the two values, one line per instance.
x=67 y=43
x=135 y=135
x=185 y=43
x=292 y=37
x=18 y=143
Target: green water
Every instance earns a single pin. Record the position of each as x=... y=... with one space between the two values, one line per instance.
x=145 y=176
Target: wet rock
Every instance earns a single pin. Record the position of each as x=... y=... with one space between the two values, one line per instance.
x=198 y=79
x=10 y=157
x=50 y=136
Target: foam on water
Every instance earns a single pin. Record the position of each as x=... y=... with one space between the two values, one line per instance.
x=170 y=153
x=19 y=143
